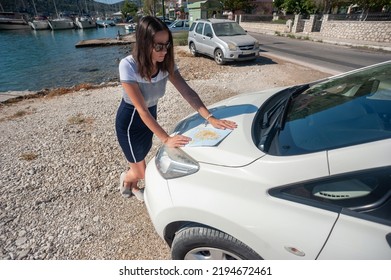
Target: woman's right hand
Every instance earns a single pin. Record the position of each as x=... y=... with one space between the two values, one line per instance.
x=177 y=141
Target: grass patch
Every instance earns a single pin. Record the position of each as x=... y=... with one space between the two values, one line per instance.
x=52 y=92
x=28 y=156
x=79 y=119
x=279 y=21
x=19 y=114
x=180 y=38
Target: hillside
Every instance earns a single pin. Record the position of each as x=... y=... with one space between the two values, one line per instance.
x=47 y=7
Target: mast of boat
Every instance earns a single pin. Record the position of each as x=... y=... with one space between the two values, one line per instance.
x=55 y=7
x=35 y=9
x=85 y=2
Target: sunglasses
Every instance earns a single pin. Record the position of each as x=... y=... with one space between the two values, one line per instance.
x=158 y=47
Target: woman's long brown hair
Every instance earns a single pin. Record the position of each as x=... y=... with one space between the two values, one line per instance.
x=146 y=29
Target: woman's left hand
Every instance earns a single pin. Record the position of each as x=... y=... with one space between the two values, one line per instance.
x=222 y=124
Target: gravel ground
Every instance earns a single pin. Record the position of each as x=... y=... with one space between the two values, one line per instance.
x=60 y=164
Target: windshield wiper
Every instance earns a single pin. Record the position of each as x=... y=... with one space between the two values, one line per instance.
x=274 y=118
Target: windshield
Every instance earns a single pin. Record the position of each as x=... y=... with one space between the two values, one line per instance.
x=342 y=111
x=228 y=29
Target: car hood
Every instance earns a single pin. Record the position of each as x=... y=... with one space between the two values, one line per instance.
x=238 y=40
x=236 y=149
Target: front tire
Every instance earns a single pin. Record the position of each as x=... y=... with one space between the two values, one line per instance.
x=219 y=57
x=193 y=49
x=202 y=243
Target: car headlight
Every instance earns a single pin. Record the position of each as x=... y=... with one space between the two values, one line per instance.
x=256 y=45
x=232 y=47
x=174 y=163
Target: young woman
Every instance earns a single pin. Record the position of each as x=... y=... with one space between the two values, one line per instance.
x=144 y=76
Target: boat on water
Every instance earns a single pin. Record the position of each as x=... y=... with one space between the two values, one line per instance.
x=12 y=21
x=61 y=23
x=105 y=22
x=101 y=23
x=39 y=23
x=131 y=27
x=84 y=22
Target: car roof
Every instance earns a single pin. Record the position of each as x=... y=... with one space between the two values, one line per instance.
x=215 y=20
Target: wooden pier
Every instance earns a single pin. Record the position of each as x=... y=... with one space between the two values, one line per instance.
x=120 y=40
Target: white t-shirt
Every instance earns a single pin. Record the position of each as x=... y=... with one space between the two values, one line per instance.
x=151 y=90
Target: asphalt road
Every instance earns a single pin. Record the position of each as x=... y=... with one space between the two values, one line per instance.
x=325 y=57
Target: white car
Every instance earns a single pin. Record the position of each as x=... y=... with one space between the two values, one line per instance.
x=224 y=40
x=306 y=175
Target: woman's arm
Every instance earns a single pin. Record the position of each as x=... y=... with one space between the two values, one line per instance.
x=195 y=101
x=134 y=93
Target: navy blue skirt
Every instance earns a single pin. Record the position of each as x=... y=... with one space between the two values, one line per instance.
x=134 y=137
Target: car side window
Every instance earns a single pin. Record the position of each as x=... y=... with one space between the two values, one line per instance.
x=366 y=194
x=186 y=24
x=199 y=28
x=208 y=30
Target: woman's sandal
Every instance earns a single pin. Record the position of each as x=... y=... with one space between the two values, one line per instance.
x=125 y=192
x=128 y=192
x=138 y=193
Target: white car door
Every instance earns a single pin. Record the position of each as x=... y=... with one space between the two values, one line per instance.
x=357 y=238
x=209 y=43
x=363 y=229
x=198 y=37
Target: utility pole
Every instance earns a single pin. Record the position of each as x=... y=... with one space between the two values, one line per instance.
x=164 y=12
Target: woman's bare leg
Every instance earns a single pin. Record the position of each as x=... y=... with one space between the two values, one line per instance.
x=135 y=173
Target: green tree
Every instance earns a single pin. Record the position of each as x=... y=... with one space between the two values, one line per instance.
x=128 y=9
x=367 y=5
x=278 y=4
x=299 y=6
x=238 y=5
x=151 y=7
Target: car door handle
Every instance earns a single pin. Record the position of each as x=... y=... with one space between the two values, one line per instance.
x=388 y=238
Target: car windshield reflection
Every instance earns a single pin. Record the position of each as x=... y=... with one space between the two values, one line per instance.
x=228 y=29
x=347 y=110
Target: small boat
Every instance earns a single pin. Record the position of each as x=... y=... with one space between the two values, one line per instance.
x=84 y=22
x=131 y=27
x=61 y=23
x=12 y=21
x=39 y=23
x=102 y=23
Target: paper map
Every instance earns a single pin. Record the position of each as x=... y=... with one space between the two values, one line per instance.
x=206 y=136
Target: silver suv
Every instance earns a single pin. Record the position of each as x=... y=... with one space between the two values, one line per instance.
x=224 y=40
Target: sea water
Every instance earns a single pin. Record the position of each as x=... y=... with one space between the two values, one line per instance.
x=34 y=60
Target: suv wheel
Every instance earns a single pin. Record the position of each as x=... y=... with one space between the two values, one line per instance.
x=193 y=50
x=203 y=243
x=219 y=57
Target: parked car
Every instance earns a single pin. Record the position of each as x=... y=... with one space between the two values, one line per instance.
x=179 y=25
x=167 y=21
x=224 y=40
x=306 y=175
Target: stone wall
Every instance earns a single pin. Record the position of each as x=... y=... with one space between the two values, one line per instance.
x=264 y=27
x=375 y=31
